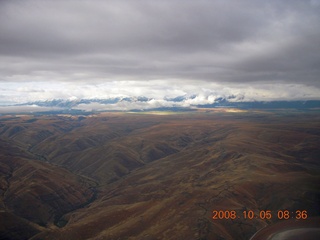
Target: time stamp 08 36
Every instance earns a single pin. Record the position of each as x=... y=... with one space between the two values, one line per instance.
x=262 y=214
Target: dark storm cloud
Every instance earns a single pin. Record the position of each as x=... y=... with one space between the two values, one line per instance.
x=218 y=41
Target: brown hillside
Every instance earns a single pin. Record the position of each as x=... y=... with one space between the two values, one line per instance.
x=161 y=177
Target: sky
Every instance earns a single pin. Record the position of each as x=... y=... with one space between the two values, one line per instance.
x=248 y=49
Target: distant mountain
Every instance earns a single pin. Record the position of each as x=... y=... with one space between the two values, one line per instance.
x=66 y=103
x=177 y=103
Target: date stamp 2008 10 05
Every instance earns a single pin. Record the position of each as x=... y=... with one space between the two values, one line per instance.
x=261 y=214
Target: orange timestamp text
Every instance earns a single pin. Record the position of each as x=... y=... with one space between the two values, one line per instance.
x=261 y=214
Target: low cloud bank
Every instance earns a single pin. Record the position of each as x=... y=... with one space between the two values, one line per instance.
x=161 y=91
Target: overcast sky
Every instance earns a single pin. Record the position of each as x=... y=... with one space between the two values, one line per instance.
x=262 y=50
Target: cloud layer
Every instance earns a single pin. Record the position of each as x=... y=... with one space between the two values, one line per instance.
x=61 y=49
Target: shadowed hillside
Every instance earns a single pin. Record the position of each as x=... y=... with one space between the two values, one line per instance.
x=156 y=177
x=34 y=194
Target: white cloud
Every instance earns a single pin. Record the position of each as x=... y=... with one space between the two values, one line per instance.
x=126 y=106
x=159 y=90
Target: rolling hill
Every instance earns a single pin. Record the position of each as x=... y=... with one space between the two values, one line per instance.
x=156 y=176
